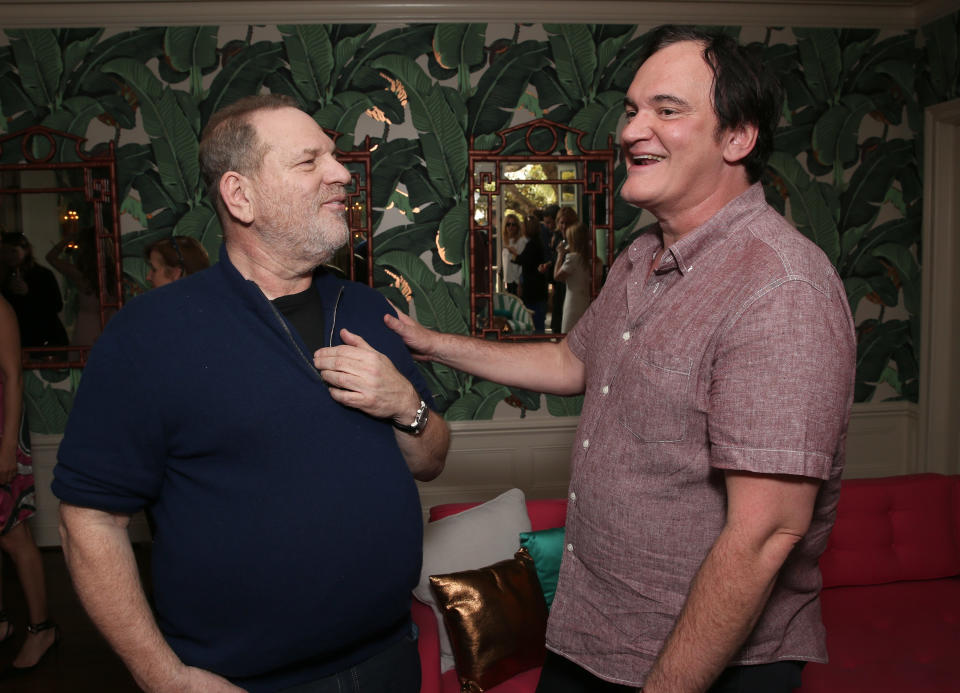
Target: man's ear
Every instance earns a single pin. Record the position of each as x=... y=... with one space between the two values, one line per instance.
x=739 y=142
x=234 y=189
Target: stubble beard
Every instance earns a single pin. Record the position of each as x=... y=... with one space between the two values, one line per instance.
x=304 y=240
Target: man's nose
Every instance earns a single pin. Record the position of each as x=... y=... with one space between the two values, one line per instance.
x=637 y=128
x=338 y=174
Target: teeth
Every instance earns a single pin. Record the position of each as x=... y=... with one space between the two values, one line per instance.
x=648 y=157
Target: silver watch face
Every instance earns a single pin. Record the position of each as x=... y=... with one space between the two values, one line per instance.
x=419 y=423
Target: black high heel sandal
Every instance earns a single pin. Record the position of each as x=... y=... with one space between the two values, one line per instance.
x=34 y=629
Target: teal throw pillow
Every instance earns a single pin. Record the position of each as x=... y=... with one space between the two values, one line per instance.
x=546 y=548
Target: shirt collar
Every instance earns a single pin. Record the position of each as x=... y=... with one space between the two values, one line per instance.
x=695 y=245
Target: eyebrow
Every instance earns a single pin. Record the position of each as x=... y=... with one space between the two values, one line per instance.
x=660 y=99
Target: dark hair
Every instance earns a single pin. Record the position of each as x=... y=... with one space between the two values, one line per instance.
x=181 y=251
x=531 y=227
x=19 y=239
x=745 y=92
x=16 y=238
x=229 y=141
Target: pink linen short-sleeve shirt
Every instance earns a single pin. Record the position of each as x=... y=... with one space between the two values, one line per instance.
x=737 y=352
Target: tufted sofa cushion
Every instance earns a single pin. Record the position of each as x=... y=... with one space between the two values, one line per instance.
x=894 y=528
x=901 y=636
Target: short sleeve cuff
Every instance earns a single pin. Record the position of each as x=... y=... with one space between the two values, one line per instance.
x=765 y=461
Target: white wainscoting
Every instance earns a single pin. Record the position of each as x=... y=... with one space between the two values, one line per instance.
x=489 y=457
x=44 y=523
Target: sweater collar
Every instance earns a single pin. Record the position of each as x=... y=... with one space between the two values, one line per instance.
x=330 y=287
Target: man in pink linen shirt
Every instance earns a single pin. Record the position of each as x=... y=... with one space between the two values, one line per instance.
x=717 y=366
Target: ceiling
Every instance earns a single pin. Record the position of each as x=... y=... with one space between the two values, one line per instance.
x=894 y=14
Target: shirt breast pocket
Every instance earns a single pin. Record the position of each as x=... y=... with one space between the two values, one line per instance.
x=654 y=392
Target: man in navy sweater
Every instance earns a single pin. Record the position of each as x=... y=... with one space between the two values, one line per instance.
x=287 y=521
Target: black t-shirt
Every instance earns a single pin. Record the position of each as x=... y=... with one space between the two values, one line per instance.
x=304 y=311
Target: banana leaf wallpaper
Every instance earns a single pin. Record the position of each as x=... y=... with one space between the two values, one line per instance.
x=847 y=167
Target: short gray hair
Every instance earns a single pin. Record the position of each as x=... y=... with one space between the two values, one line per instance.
x=229 y=141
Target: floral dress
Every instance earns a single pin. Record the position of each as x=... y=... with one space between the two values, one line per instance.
x=17 y=501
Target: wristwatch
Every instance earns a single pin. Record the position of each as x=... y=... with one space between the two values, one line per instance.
x=419 y=422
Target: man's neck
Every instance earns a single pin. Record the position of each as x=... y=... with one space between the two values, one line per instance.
x=274 y=277
x=675 y=224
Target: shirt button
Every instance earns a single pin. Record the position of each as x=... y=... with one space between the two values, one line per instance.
x=570 y=548
x=605 y=389
x=626 y=336
x=586 y=443
x=573 y=496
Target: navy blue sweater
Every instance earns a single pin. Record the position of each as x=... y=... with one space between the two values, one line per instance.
x=288 y=527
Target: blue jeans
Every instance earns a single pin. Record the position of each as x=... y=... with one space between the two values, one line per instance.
x=395 y=670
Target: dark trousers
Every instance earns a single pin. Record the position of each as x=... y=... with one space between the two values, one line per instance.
x=556 y=317
x=563 y=676
x=395 y=670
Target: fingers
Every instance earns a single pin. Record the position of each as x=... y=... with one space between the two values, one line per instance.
x=354 y=340
x=413 y=334
x=399 y=322
x=347 y=358
x=349 y=398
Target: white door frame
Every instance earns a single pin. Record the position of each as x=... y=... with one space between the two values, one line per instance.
x=939 y=439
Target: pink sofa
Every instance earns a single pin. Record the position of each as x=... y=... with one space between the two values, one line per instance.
x=891 y=598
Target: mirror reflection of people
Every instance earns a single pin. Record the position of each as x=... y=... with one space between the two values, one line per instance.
x=75 y=257
x=513 y=243
x=279 y=490
x=566 y=218
x=533 y=283
x=717 y=366
x=573 y=269
x=173 y=258
x=32 y=291
x=17 y=503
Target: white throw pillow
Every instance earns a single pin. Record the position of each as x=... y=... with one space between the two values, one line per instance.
x=475 y=538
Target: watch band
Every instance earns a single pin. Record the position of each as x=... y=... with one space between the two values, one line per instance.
x=419 y=421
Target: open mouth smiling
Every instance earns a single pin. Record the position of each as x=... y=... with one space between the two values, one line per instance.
x=646 y=159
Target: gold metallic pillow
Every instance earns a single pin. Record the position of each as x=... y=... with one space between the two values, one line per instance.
x=497 y=620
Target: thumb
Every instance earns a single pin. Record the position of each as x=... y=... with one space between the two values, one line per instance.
x=354 y=340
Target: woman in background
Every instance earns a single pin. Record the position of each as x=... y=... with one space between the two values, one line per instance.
x=17 y=504
x=534 y=282
x=566 y=217
x=32 y=291
x=513 y=244
x=573 y=268
x=75 y=257
x=173 y=258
